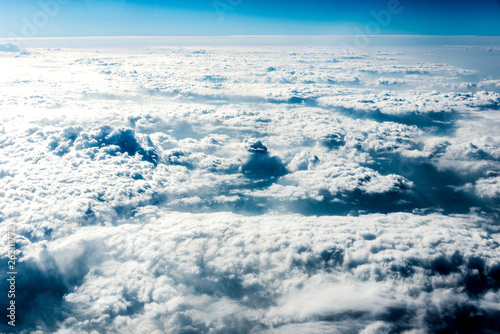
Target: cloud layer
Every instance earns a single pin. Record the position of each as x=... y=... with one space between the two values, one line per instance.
x=176 y=272
x=262 y=190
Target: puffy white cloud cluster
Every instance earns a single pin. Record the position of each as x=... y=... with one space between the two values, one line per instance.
x=173 y=272
x=415 y=102
x=237 y=190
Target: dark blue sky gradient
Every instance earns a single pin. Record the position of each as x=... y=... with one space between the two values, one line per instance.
x=249 y=17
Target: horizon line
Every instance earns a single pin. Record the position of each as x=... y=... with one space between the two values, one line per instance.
x=246 y=36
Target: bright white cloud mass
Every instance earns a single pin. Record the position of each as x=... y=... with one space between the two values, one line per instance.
x=251 y=190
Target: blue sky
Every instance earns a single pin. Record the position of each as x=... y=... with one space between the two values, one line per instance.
x=247 y=17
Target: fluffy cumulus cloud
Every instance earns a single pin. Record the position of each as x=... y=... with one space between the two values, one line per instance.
x=221 y=272
x=238 y=190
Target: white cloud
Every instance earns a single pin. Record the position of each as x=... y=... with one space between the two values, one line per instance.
x=179 y=270
x=184 y=189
